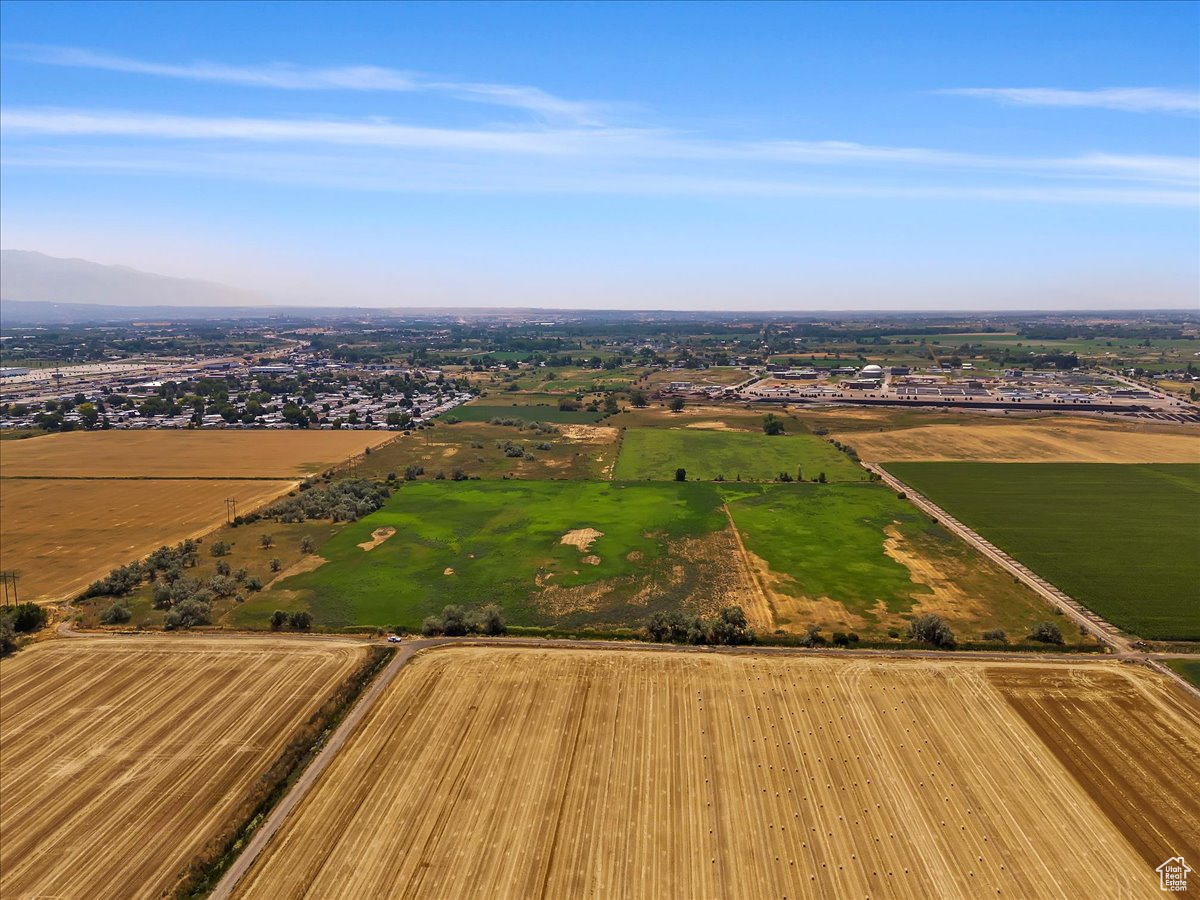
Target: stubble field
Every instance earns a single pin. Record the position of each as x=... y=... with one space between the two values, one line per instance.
x=1040 y=440
x=122 y=758
x=62 y=534
x=490 y=772
x=167 y=453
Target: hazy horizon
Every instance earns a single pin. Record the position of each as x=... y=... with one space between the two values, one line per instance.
x=918 y=157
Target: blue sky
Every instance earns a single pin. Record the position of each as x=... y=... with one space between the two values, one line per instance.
x=784 y=156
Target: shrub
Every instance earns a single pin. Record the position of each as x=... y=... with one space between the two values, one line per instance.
x=931 y=629
x=1046 y=633
x=115 y=615
x=276 y=564
x=995 y=634
x=681 y=474
x=188 y=614
x=219 y=548
x=278 y=619
x=307 y=545
x=432 y=626
x=301 y=621
x=27 y=617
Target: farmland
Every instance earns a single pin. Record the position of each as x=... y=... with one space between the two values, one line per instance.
x=184 y=454
x=479 y=449
x=123 y=758
x=852 y=557
x=655 y=453
x=62 y=534
x=526 y=545
x=538 y=772
x=1041 y=440
x=1121 y=539
x=857 y=558
x=527 y=411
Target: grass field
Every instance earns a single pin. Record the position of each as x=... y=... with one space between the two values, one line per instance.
x=527 y=411
x=62 y=534
x=857 y=558
x=1121 y=539
x=653 y=454
x=480 y=542
x=122 y=758
x=1188 y=668
x=1054 y=439
x=847 y=557
x=576 y=452
x=162 y=453
x=506 y=773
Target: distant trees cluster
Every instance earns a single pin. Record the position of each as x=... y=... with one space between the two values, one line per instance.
x=345 y=500
x=676 y=627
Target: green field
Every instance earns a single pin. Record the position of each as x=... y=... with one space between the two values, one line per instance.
x=653 y=454
x=501 y=542
x=529 y=412
x=1188 y=668
x=1121 y=539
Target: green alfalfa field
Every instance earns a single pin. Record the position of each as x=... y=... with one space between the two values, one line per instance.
x=1122 y=539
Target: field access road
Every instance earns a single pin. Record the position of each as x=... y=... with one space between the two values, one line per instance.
x=1103 y=630
x=409 y=648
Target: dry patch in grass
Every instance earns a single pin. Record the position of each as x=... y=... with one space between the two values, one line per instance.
x=163 y=453
x=509 y=773
x=121 y=758
x=581 y=538
x=378 y=536
x=63 y=534
x=1040 y=440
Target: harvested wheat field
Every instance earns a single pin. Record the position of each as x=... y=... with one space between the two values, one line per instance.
x=1038 y=440
x=163 y=453
x=122 y=758
x=501 y=772
x=62 y=534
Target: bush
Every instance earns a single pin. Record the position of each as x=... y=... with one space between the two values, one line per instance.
x=276 y=564
x=772 y=424
x=219 y=548
x=115 y=615
x=995 y=634
x=931 y=629
x=27 y=617
x=681 y=474
x=307 y=545
x=188 y=614
x=278 y=619
x=675 y=627
x=432 y=626
x=1046 y=633
x=301 y=621
x=8 y=636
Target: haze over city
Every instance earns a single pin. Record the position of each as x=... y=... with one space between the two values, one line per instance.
x=789 y=157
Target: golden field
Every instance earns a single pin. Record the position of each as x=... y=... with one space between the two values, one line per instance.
x=121 y=758
x=510 y=773
x=163 y=453
x=1038 y=440
x=62 y=534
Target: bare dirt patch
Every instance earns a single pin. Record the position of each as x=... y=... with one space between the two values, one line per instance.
x=591 y=560
x=448 y=571
x=581 y=538
x=378 y=536
x=590 y=434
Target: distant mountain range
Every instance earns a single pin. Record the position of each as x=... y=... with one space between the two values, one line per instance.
x=30 y=276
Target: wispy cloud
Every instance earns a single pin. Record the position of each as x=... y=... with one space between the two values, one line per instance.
x=1143 y=100
x=573 y=146
x=286 y=76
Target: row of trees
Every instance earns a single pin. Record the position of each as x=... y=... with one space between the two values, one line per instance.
x=455 y=621
x=728 y=627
